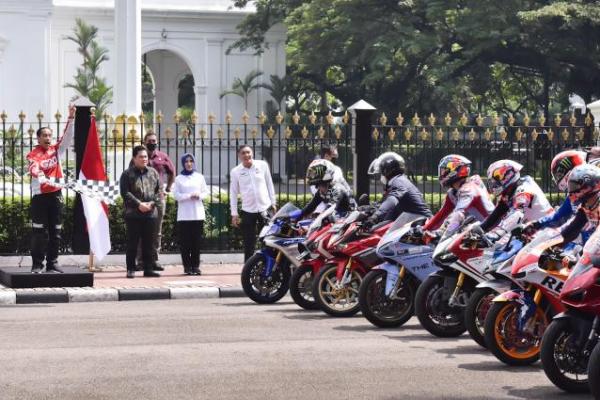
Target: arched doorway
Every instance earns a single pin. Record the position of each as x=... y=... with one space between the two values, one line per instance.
x=167 y=85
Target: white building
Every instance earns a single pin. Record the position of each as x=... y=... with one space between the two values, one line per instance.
x=178 y=37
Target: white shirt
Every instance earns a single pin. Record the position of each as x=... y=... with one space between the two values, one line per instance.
x=189 y=209
x=255 y=186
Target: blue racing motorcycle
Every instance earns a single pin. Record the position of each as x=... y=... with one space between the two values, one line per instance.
x=387 y=293
x=266 y=275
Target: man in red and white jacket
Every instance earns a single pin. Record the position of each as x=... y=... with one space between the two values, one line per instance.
x=47 y=200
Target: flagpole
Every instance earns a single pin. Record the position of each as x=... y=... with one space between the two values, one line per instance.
x=91 y=262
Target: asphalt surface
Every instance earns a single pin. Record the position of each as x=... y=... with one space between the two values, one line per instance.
x=233 y=349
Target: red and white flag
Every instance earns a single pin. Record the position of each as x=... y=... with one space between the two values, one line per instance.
x=96 y=211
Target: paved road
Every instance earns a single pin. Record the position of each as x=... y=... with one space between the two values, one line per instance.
x=231 y=349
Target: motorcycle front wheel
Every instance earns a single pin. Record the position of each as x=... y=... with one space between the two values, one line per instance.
x=477 y=308
x=381 y=310
x=504 y=339
x=562 y=358
x=434 y=312
x=265 y=289
x=301 y=287
x=334 y=298
x=594 y=372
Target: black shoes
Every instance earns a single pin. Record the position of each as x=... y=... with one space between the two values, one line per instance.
x=158 y=267
x=37 y=269
x=196 y=272
x=151 y=274
x=130 y=274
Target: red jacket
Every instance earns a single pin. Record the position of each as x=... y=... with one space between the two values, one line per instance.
x=45 y=164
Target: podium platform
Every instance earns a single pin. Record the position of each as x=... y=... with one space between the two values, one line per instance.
x=22 y=278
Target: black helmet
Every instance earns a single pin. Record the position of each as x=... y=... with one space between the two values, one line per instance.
x=391 y=164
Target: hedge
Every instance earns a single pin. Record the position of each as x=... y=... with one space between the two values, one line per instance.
x=15 y=228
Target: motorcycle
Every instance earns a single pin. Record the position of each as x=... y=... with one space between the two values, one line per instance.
x=500 y=281
x=387 y=293
x=442 y=298
x=336 y=286
x=517 y=319
x=594 y=372
x=266 y=275
x=312 y=257
x=572 y=335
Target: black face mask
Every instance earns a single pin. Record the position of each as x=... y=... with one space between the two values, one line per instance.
x=151 y=146
x=334 y=160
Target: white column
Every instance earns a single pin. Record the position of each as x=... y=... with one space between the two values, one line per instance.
x=201 y=99
x=128 y=60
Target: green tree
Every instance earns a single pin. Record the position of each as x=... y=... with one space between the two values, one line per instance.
x=244 y=87
x=86 y=80
x=438 y=55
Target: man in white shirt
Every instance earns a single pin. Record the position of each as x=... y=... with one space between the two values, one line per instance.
x=252 y=180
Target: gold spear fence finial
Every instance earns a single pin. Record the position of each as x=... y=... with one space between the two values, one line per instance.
x=399 y=119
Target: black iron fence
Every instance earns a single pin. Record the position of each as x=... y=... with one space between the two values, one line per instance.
x=288 y=144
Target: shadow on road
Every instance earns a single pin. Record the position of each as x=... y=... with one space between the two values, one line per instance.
x=308 y=317
x=251 y=303
x=428 y=338
x=372 y=328
x=496 y=365
x=471 y=349
x=543 y=392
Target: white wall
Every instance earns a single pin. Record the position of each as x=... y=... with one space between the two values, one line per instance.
x=38 y=60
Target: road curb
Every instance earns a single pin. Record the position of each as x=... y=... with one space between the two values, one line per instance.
x=79 y=295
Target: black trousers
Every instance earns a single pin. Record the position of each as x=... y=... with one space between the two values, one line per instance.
x=140 y=229
x=46 y=218
x=190 y=240
x=251 y=224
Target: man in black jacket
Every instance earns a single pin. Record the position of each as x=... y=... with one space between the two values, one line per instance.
x=329 y=190
x=140 y=188
x=400 y=194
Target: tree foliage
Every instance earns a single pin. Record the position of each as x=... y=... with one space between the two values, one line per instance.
x=438 y=55
x=86 y=80
x=243 y=87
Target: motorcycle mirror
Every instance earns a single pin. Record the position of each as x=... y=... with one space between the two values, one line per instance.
x=363 y=200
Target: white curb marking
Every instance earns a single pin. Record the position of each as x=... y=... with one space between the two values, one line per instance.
x=195 y=293
x=8 y=297
x=84 y=295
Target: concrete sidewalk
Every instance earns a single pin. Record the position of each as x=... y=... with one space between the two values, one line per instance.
x=220 y=278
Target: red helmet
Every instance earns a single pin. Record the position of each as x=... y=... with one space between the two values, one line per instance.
x=452 y=168
x=562 y=165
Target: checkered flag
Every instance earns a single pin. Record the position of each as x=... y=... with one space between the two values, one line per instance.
x=105 y=191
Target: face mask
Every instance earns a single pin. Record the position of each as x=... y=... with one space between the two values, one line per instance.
x=151 y=146
x=334 y=160
x=383 y=180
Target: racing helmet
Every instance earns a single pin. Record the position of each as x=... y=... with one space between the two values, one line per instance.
x=320 y=171
x=452 y=168
x=388 y=164
x=562 y=165
x=502 y=174
x=584 y=182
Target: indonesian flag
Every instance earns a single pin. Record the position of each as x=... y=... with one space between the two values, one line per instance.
x=96 y=211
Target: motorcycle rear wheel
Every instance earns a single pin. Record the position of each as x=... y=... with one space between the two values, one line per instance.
x=562 y=360
x=265 y=290
x=434 y=312
x=378 y=308
x=337 y=302
x=594 y=372
x=504 y=340
x=475 y=312
x=301 y=287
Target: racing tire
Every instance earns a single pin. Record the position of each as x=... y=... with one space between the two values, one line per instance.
x=301 y=287
x=594 y=372
x=475 y=313
x=333 y=301
x=265 y=290
x=378 y=308
x=558 y=354
x=501 y=325
x=433 y=311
